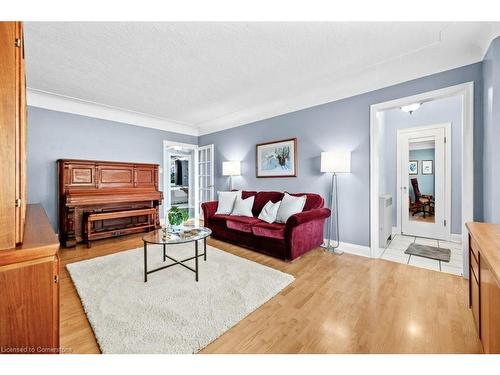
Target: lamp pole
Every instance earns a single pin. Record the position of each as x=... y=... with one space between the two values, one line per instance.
x=334 y=203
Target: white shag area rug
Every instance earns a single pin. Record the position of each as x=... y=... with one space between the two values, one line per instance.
x=171 y=313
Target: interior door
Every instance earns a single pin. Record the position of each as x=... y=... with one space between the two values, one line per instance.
x=423 y=178
x=206 y=190
x=180 y=180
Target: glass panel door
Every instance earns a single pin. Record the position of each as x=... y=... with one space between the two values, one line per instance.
x=206 y=173
x=424 y=177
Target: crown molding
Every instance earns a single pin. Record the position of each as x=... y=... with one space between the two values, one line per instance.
x=55 y=102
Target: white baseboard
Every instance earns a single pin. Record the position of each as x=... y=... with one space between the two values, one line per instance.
x=354 y=249
x=395 y=231
x=455 y=237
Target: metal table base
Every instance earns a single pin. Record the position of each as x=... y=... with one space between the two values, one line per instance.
x=179 y=262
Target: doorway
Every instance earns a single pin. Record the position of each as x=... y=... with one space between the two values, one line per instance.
x=424 y=178
x=188 y=177
x=465 y=93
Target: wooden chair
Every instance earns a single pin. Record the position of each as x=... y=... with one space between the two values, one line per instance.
x=422 y=203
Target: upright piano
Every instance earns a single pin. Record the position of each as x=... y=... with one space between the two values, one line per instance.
x=92 y=186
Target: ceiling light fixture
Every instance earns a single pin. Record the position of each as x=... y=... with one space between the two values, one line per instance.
x=410 y=108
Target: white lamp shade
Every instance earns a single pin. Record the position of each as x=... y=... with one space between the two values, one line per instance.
x=336 y=162
x=231 y=168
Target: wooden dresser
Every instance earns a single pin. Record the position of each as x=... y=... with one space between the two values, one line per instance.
x=29 y=263
x=484 y=282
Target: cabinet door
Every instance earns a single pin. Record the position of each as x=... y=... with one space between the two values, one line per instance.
x=29 y=306
x=7 y=134
x=55 y=302
x=490 y=310
x=21 y=118
x=475 y=302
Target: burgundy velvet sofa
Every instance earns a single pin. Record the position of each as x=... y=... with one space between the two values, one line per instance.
x=301 y=233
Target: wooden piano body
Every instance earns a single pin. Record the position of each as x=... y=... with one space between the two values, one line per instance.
x=90 y=186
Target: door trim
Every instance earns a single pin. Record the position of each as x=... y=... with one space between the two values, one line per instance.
x=466 y=92
x=447 y=189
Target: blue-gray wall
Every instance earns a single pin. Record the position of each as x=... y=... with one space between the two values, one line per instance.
x=491 y=150
x=430 y=113
x=341 y=124
x=56 y=135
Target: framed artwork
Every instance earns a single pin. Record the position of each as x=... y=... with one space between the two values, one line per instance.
x=277 y=159
x=427 y=167
x=413 y=167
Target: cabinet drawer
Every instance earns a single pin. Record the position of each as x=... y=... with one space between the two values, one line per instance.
x=474 y=248
x=474 y=265
x=475 y=303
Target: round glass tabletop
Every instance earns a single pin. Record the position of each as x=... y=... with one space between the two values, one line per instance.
x=186 y=234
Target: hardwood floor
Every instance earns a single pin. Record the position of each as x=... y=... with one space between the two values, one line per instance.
x=337 y=304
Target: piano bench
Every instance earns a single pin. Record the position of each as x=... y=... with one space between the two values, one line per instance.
x=90 y=217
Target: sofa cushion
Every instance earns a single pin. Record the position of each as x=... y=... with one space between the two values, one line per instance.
x=219 y=219
x=241 y=223
x=243 y=207
x=262 y=198
x=274 y=230
x=269 y=212
x=290 y=205
x=226 y=201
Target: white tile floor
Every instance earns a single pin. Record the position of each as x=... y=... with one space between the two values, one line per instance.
x=396 y=252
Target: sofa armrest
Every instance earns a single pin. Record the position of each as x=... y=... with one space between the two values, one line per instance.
x=307 y=216
x=209 y=209
x=304 y=231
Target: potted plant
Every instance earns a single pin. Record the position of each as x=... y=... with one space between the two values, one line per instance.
x=176 y=217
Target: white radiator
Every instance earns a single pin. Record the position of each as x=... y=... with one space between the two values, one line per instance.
x=385 y=220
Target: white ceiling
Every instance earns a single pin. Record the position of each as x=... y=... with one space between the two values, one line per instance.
x=198 y=78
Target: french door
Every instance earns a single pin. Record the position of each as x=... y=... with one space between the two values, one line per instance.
x=188 y=176
x=424 y=173
x=205 y=174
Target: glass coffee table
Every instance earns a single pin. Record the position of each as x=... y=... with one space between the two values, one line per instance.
x=164 y=238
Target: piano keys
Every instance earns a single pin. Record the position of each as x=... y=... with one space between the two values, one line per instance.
x=91 y=186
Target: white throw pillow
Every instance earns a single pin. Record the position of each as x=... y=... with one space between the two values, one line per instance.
x=269 y=212
x=243 y=207
x=226 y=202
x=289 y=206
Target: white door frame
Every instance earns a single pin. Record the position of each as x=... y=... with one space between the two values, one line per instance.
x=447 y=171
x=166 y=175
x=466 y=92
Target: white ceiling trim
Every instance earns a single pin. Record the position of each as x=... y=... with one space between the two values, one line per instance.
x=383 y=76
x=55 y=102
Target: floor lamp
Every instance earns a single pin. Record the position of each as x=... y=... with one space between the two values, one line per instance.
x=335 y=162
x=231 y=168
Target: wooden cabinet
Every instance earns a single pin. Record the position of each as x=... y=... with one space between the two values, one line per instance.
x=12 y=135
x=29 y=263
x=29 y=289
x=484 y=282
